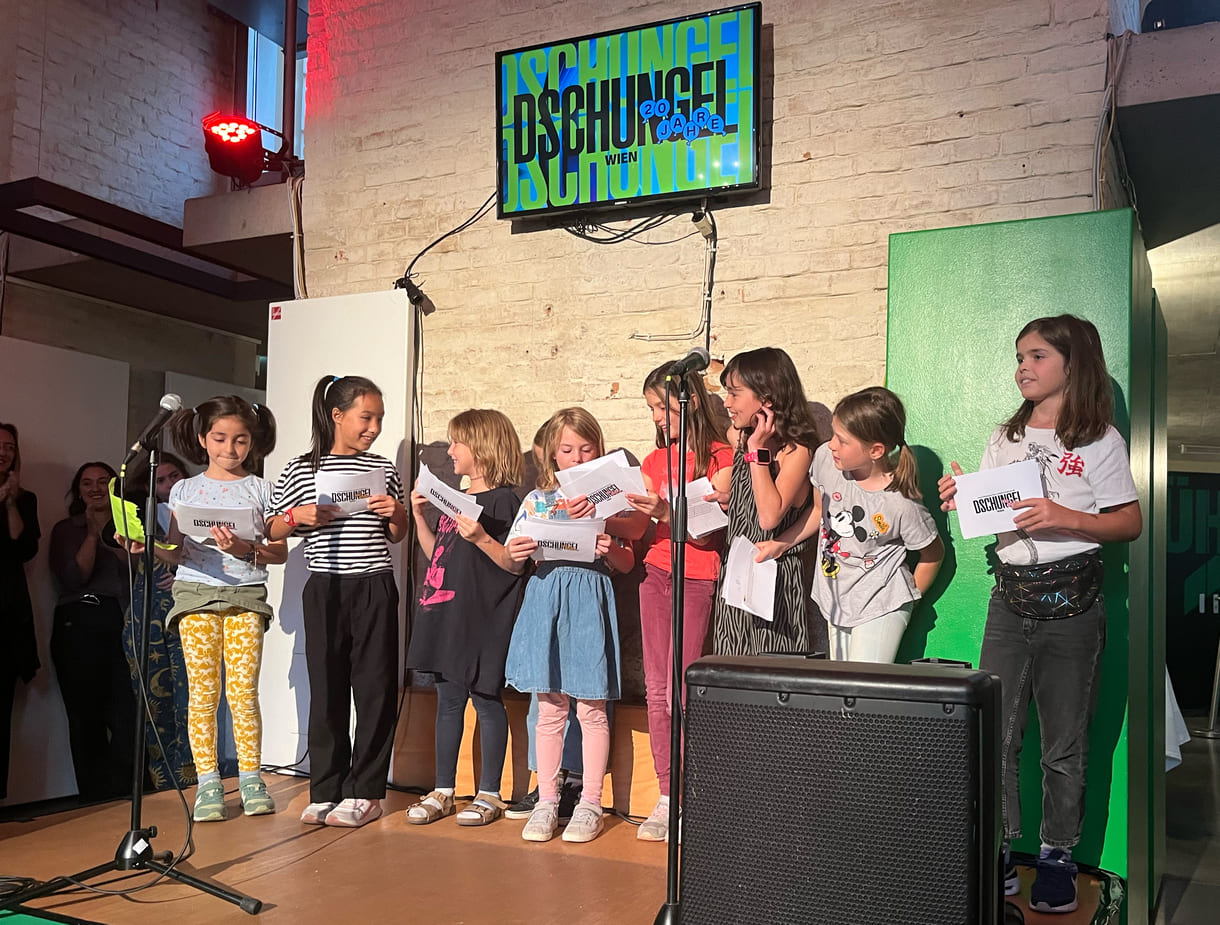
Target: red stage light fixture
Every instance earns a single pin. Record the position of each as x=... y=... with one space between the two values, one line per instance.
x=235 y=147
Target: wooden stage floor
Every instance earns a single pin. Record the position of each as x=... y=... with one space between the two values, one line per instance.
x=388 y=871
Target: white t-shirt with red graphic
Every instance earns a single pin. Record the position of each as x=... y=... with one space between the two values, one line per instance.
x=1089 y=478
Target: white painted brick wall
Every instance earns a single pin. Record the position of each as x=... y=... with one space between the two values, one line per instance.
x=888 y=117
x=106 y=97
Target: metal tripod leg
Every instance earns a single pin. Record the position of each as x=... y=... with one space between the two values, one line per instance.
x=1211 y=732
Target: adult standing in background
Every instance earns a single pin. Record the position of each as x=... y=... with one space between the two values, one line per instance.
x=86 y=644
x=18 y=543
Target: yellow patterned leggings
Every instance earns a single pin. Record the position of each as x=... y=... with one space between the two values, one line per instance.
x=236 y=638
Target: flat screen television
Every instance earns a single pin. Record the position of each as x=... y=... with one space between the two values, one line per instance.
x=665 y=111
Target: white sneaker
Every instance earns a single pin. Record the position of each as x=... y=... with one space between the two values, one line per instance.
x=353 y=813
x=543 y=822
x=586 y=824
x=656 y=826
x=316 y=813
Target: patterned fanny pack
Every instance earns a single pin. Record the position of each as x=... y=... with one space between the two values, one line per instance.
x=1051 y=590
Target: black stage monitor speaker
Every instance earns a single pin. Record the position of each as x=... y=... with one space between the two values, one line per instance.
x=840 y=793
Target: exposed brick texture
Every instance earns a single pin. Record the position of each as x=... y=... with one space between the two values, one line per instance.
x=106 y=97
x=887 y=117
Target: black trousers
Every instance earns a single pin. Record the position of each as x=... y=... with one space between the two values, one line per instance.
x=95 y=681
x=351 y=653
x=8 y=689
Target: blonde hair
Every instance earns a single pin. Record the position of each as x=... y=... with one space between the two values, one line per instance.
x=493 y=443
x=583 y=424
x=876 y=415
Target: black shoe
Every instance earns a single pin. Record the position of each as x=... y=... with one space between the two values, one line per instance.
x=1054 y=888
x=1012 y=880
x=569 y=796
x=523 y=807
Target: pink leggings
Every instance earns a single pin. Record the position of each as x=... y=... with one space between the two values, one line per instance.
x=595 y=730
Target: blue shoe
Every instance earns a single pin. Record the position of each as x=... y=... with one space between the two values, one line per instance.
x=1054 y=888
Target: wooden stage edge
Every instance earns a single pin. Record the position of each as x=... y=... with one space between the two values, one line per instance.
x=388 y=871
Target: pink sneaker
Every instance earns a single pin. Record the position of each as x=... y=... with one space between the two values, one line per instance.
x=353 y=813
x=316 y=813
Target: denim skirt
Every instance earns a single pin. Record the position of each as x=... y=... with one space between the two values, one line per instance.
x=565 y=639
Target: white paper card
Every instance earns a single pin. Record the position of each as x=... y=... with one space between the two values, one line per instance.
x=569 y=475
x=703 y=517
x=350 y=492
x=197 y=520
x=570 y=540
x=449 y=500
x=749 y=585
x=985 y=498
x=607 y=485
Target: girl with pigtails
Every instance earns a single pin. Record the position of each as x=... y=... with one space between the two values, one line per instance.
x=220 y=604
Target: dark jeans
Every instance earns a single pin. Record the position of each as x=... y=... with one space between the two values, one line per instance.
x=351 y=652
x=1057 y=663
x=493 y=734
x=95 y=681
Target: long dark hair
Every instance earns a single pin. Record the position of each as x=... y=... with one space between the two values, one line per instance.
x=139 y=485
x=771 y=375
x=12 y=429
x=76 y=504
x=1088 y=400
x=876 y=415
x=189 y=424
x=705 y=427
x=330 y=393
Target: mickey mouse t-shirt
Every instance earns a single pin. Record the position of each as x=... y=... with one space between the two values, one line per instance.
x=861 y=571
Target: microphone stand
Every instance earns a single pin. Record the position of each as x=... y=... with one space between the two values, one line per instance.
x=135 y=851
x=671 y=912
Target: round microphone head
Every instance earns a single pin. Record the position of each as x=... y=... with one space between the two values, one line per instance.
x=704 y=357
x=171 y=402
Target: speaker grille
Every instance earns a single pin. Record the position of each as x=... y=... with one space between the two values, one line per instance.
x=833 y=817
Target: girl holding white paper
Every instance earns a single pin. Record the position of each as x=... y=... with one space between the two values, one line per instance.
x=565 y=642
x=871 y=514
x=349 y=603
x=708 y=457
x=775 y=437
x=465 y=616
x=1046 y=620
x=220 y=607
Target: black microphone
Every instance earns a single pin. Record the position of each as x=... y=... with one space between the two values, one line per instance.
x=698 y=359
x=169 y=404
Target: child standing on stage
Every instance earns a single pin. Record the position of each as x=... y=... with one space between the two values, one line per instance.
x=868 y=505
x=775 y=438
x=220 y=591
x=708 y=456
x=565 y=642
x=349 y=604
x=1046 y=620
x=465 y=616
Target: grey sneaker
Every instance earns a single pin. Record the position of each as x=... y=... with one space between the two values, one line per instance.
x=255 y=800
x=656 y=826
x=543 y=822
x=210 y=802
x=586 y=823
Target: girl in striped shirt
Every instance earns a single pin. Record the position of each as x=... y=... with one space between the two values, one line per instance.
x=350 y=602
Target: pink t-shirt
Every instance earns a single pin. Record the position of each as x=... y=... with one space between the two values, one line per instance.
x=700 y=562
